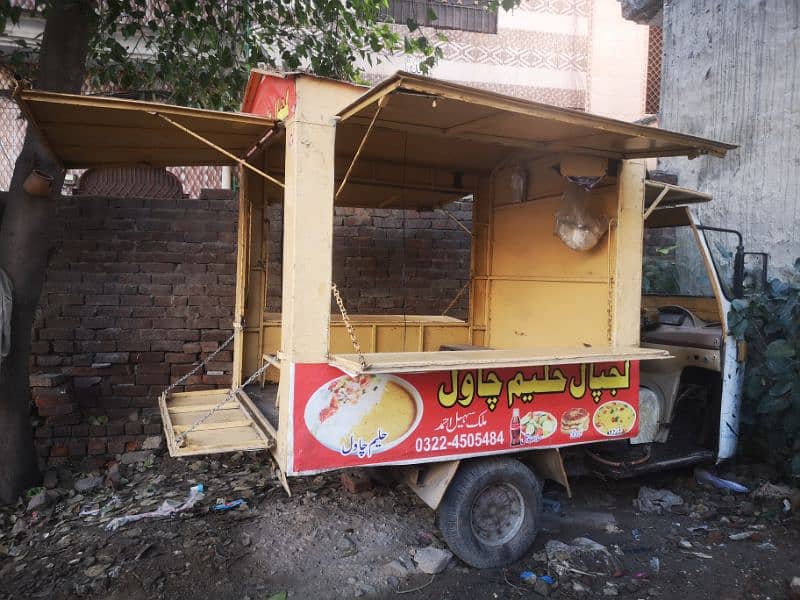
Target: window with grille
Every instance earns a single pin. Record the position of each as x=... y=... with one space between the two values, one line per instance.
x=654 y=50
x=464 y=15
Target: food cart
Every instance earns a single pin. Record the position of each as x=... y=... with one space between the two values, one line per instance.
x=549 y=356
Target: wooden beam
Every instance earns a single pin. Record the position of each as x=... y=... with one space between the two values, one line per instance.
x=241 y=162
x=371 y=97
x=381 y=104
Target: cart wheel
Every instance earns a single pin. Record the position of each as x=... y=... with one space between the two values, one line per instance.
x=491 y=511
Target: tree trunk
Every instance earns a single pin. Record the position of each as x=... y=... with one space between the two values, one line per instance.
x=24 y=242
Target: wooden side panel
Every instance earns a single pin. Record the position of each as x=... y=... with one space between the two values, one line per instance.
x=378 y=333
x=243 y=229
x=628 y=249
x=529 y=314
x=435 y=337
x=256 y=272
x=480 y=261
x=540 y=291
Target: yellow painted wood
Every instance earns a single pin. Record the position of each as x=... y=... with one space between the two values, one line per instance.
x=120 y=132
x=237 y=425
x=628 y=264
x=421 y=362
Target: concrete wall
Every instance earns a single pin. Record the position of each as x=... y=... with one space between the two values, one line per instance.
x=732 y=73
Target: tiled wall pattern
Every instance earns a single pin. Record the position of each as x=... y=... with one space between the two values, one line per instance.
x=540 y=52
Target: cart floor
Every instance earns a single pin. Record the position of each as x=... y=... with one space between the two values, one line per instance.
x=265 y=399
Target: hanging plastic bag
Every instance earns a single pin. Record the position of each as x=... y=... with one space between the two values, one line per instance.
x=575 y=223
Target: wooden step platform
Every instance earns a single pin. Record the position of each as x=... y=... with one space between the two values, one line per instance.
x=237 y=425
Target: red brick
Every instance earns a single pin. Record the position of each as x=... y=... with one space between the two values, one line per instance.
x=355 y=481
x=96 y=446
x=59 y=420
x=46 y=394
x=97 y=430
x=59 y=450
x=115 y=428
x=46 y=380
x=116 y=446
x=147 y=357
x=133 y=428
x=132 y=446
x=62 y=408
x=152 y=379
x=77 y=448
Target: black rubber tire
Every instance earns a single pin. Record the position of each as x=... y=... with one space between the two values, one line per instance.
x=454 y=512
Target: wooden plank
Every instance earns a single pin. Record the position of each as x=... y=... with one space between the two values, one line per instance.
x=420 y=362
x=223 y=440
x=183 y=419
x=238 y=425
x=628 y=249
x=202 y=406
x=211 y=426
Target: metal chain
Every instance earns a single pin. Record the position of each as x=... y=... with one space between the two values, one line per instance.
x=182 y=380
x=181 y=439
x=349 y=326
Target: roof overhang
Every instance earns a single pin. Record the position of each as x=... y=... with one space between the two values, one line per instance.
x=92 y=131
x=451 y=112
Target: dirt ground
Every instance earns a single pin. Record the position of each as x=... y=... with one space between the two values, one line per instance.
x=326 y=543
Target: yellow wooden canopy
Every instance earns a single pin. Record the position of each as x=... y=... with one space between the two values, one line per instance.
x=92 y=131
x=456 y=125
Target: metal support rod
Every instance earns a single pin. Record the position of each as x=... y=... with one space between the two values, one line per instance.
x=230 y=155
x=457 y=298
x=655 y=203
x=381 y=103
x=457 y=222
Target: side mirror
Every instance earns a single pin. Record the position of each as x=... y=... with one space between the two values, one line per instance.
x=754 y=272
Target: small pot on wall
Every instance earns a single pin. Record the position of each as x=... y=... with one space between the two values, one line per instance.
x=38 y=183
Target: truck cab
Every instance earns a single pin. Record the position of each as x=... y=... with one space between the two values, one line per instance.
x=689 y=403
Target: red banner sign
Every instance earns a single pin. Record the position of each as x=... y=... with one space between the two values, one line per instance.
x=341 y=421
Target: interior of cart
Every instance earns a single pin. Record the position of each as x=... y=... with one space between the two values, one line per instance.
x=413 y=143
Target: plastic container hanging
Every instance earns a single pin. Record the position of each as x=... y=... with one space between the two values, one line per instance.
x=575 y=223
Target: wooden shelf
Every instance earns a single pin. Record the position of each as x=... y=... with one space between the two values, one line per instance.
x=421 y=362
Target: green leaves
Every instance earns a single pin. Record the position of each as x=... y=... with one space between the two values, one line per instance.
x=770 y=322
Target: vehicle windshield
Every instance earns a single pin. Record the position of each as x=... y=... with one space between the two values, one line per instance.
x=673 y=264
x=722 y=245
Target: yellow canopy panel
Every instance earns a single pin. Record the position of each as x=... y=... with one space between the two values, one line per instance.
x=92 y=131
x=446 y=115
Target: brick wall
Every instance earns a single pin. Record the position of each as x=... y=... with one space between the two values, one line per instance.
x=391 y=261
x=137 y=290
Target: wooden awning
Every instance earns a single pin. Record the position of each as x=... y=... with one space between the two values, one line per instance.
x=452 y=124
x=94 y=131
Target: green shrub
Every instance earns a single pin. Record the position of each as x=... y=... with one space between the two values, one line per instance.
x=770 y=416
